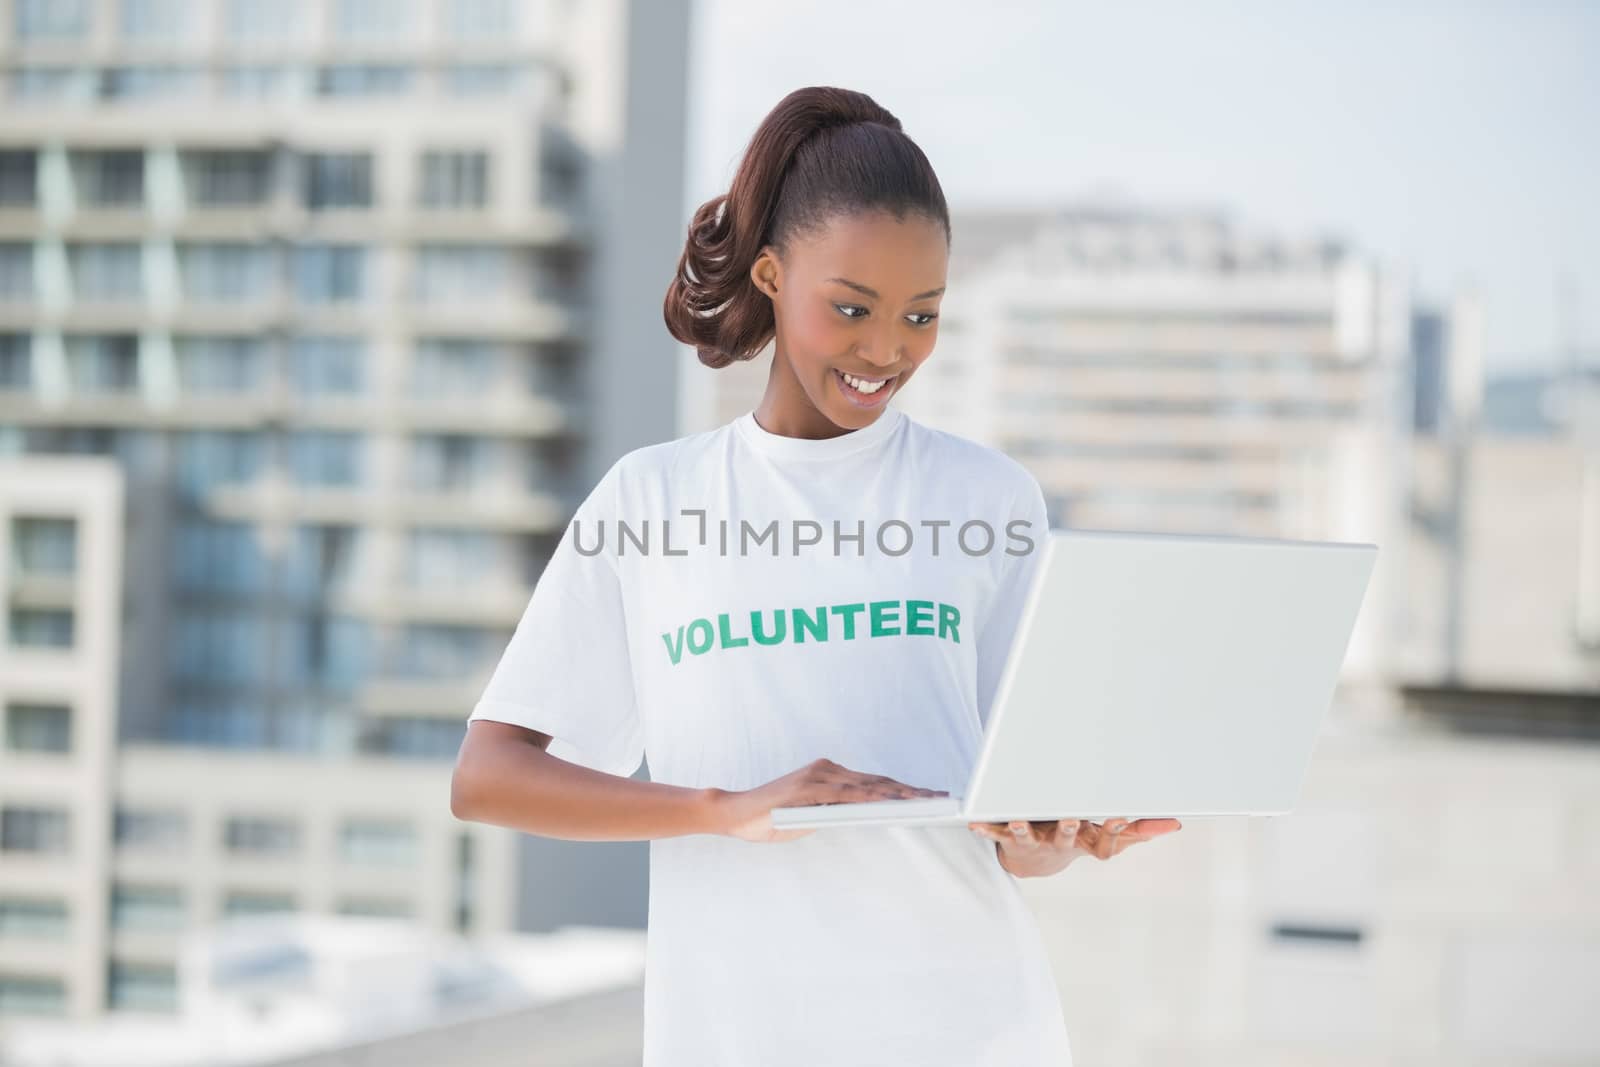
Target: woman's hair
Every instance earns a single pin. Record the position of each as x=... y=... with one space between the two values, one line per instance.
x=821 y=152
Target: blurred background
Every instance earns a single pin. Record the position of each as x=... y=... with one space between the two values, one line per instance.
x=318 y=318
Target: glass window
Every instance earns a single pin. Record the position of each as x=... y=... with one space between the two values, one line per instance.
x=336 y=180
x=480 y=79
x=363 y=79
x=146 y=907
x=454 y=179
x=50 y=84
x=42 y=545
x=451 y=273
x=327 y=364
x=220 y=645
x=382 y=841
x=227 y=178
x=419 y=738
x=142 y=986
x=218 y=555
x=16 y=358
x=144 y=19
x=247 y=902
x=226 y=273
x=23 y=994
x=321 y=557
x=374 y=20
x=103 y=363
x=324 y=650
x=221 y=364
x=147 y=830
x=39 y=728
x=42 y=918
x=148 y=81
x=220 y=724
x=326 y=274
x=261 y=834
x=25 y=829
x=111 y=271
x=109 y=178
x=455 y=367
x=252 y=80
x=448 y=462
x=41 y=627
x=19 y=177
x=325 y=457
x=41 y=19
x=437 y=651
x=16 y=270
x=474 y=19
x=217 y=457
x=444 y=558
x=262 y=20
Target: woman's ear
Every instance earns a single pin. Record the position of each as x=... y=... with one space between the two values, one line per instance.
x=765 y=272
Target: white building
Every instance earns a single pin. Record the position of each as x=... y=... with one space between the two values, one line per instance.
x=343 y=288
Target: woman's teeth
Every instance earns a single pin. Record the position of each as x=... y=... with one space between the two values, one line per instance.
x=862 y=384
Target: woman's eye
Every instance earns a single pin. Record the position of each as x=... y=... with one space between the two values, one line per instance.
x=847 y=308
x=848 y=311
x=925 y=316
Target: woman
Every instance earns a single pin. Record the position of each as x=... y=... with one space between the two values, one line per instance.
x=798 y=607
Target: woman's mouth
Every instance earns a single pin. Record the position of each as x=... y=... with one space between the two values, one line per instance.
x=864 y=392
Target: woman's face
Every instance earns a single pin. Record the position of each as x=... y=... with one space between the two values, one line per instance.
x=858 y=301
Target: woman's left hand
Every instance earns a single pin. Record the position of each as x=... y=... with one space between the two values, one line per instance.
x=1035 y=849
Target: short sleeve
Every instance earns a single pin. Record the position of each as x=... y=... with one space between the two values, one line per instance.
x=1026 y=534
x=566 y=670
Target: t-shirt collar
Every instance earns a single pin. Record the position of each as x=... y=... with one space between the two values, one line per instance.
x=774 y=444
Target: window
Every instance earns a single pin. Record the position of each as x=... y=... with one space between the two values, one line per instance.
x=16 y=356
x=103 y=363
x=218 y=555
x=44 y=546
x=220 y=364
x=443 y=558
x=376 y=907
x=153 y=19
x=371 y=79
x=107 y=272
x=226 y=273
x=454 y=179
x=480 y=79
x=448 y=462
x=151 y=830
x=16 y=271
x=325 y=457
x=373 y=20
x=327 y=274
x=219 y=645
x=19 y=177
x=41 y=627
x=451 y=273
x=247 y=902
x=34 y=20
x=43 y=830
x=438 y=651
x=382 y=841
x=252 y=80
x=262 y=20
x=323 y=650
x=479 y=19
x=142 y=986
x=327 y=365
x=261 y=835
x=39 y=728
x=414 y=738
x=450 y=367
x=41 y=918
x=109 y=179
x=320 y=557
x=145 y=82
x=146 y=908
x=217 y=457
x=220 y=723
x=22 y=994
x=334 y=180
x=227 y=178
x=50 y=84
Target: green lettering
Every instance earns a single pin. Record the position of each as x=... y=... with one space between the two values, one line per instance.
x=883 y=620
x=675 y=651
x=702 y=628
x=919 y=621
x=949 y=618
x=817 y=626
x=780 y=626
x=728 y=640
x=849 y=613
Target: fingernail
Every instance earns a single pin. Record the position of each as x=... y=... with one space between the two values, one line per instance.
x=1019 y=827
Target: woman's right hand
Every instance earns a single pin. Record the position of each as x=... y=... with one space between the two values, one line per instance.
x=747 y=813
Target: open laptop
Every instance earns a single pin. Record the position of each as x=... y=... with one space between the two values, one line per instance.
x=1154 y=675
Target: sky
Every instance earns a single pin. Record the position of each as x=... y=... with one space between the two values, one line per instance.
x=1458 y=143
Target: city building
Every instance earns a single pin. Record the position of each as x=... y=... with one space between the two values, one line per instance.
x=339 y=291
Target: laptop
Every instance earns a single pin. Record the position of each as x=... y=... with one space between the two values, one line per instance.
x=1153 y=675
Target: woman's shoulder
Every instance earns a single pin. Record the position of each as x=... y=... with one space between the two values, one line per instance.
x=973 y=462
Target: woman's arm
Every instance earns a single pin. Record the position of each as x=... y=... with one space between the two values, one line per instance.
x=504 y=776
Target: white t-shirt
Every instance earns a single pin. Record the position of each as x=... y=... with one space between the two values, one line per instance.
x=731 y=666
